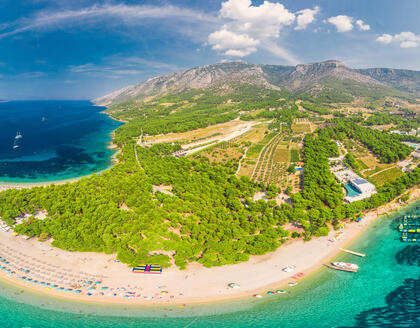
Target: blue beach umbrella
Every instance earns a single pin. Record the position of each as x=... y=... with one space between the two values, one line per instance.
x=77 y=291
x=104 y=288
x=89 y=294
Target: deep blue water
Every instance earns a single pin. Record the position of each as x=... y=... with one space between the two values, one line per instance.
x=384 y=293
x=61 y=140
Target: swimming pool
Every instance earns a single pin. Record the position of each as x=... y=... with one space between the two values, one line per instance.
x=351 y=190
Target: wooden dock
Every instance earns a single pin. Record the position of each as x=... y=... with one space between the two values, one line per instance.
x=353 y=253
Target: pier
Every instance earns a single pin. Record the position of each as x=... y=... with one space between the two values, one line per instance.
x=353 y=253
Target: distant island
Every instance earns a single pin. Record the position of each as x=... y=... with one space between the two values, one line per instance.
x=222 y=163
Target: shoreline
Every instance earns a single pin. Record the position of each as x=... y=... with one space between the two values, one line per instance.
x=5 y=185
x=197 y=285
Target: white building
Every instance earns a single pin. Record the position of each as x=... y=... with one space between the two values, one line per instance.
x=364 y=189
x=363 y=186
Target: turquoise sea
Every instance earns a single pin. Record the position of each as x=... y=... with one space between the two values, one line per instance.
x=60 y=140
x=384 y=293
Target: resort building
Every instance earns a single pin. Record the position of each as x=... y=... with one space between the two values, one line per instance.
x=356 y=187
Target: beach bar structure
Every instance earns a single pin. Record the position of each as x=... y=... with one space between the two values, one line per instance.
x=148 y=269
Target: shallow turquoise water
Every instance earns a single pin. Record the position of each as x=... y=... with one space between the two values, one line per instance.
x=379 y=295
x=61 y=140
x=351 y=190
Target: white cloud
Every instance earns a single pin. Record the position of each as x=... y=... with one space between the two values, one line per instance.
x=362 y=25
x=117 y=65
x=342 y=23
x=246 y=28
x=409 y=44
x=132 y=15
x=233 y=44
x=306 y=17
x=385 y=38
x=345 y=23
x=404 y=39
x=31 y=75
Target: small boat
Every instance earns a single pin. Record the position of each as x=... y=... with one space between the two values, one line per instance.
x=343 y=266
x=257 y=296
x=293 y=283
x=280 y=291
x=234 y=285
x=18 y=135
x=289 y=269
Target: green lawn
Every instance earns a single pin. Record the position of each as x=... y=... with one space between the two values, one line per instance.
x=386 y=176
x=294 y=155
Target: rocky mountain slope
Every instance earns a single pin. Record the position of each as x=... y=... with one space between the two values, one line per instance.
x=404 y=80
x=312 y=78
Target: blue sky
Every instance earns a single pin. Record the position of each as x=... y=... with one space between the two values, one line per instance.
x=81 y=49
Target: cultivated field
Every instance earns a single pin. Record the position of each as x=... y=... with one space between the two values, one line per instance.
x=303 y=125
x=213 y=132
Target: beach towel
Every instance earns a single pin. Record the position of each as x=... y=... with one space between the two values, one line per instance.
x=148 y=268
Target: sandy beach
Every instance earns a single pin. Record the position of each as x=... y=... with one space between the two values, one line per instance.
x=99 y=278
x=24 y=185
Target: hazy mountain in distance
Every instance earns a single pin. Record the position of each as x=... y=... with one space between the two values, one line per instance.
x=313 y=79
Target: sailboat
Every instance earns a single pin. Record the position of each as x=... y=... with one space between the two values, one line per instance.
x=15 y=142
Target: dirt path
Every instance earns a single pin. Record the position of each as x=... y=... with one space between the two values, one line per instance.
x=137 y=156
x=240 y=161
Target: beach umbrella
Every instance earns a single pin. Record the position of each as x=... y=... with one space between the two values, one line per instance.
x=91 y=288
x=77 y=291
x=97 y=283
x=89 y=294
x=103 y=288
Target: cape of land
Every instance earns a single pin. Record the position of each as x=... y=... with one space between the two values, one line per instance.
x=222 y=170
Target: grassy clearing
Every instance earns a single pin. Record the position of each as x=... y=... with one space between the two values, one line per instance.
x=218 y=130
x=386 y=176
x=369 y=161
x=294 y=155
x=254 y=135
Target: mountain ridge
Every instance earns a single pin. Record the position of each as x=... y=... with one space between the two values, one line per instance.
x=312 y=78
